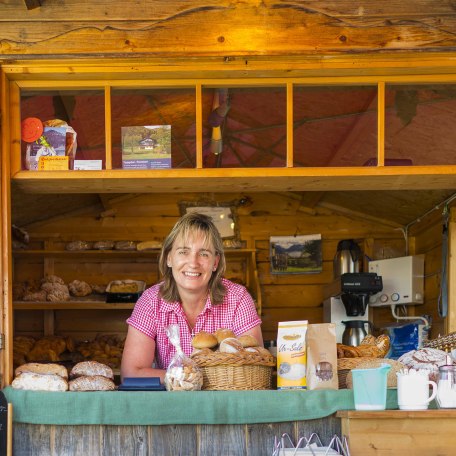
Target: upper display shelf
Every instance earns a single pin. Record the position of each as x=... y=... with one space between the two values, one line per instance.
x=236 y=134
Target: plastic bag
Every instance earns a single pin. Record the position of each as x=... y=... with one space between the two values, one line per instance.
x=183 y=374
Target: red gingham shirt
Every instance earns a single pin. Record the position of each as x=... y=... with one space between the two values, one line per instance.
x=152 y=315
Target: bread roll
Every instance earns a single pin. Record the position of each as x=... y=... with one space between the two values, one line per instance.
x=41 y=368
x=224 y=333
x=230 y=345
x=79 y=288
x=40 y=382
x=91 y=383
x=204 y=340
x=248 y=341
x=90 y=368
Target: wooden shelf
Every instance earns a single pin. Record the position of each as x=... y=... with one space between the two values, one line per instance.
x=246 y=179
x=71 y=305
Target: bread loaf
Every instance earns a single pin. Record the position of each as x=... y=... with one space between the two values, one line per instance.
x=223 y=333
x=91 y=383
x=40 y=382
x=204 y=340
x=148 y=245
x=230 y=345
x=248 y=341
x=91 y=368
x=425 y=358
x=42 y=368
x=79 y=288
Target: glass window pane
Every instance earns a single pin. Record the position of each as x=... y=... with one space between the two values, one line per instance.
x=83 y=110
x=175 y=107
x=419 y=124
x=334 y=126
x=244 y=127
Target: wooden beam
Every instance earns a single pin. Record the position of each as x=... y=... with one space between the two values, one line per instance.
x=32 y=4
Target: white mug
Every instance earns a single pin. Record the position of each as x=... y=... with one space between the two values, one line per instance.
x=413 y=389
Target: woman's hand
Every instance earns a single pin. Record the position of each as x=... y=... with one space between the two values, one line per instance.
x=138 y=356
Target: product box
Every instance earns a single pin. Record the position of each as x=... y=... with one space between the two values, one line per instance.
x=51 y=143
x=146 y=147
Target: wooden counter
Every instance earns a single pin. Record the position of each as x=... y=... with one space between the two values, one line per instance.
x=398 y=432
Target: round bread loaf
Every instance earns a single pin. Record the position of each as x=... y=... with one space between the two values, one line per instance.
x=425 y=358
x=91 y=368
x=42 y=368
x=248 y=341
x=223 y=333
x=91 y=383
x=204 y=340
x=40 y=382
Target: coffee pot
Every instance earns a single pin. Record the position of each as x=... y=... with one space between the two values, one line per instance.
x=355 y=332
x=347 y=258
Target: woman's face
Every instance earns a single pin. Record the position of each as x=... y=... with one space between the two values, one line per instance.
x=193 y=261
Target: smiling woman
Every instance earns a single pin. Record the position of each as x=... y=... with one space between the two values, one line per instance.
x=193 y=295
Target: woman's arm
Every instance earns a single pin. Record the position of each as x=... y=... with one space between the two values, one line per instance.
x=138 y=356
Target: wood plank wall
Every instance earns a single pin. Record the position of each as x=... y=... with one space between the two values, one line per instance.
x=225 y=28
x=150 y=216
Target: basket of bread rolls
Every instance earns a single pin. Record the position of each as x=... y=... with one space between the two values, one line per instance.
x=232 y=363
x=349 y=357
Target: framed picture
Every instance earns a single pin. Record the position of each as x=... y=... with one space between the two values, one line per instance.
x=223 y=216
x=295 y=254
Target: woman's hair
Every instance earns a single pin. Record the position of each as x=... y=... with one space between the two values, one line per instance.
x=189 y=225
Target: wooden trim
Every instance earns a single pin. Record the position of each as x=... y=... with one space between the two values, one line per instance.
x=14 y=127
x=290 y=129
x=381 y=124
x=6 y=322
x=451 y=318
x=108 y=128
x=199 y=126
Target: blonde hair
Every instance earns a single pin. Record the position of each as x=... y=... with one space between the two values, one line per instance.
x=188 y=225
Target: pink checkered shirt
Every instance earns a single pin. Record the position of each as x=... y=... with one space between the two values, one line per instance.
x=151 y=315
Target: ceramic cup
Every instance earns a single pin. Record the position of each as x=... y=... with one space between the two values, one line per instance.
x=413 y=390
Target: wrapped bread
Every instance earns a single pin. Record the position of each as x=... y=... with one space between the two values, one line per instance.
x=79 y=288
x=40 y=382
x=91 y=383
x=91 y=368
x=204 y=340
x=40 y=368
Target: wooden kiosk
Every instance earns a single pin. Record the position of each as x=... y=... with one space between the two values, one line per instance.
x=164 y=62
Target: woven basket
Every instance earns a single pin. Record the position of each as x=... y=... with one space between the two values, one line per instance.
x=445 y=343
x=345 y=365
x=235 y=371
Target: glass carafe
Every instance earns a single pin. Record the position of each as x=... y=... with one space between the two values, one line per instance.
x=446 y=387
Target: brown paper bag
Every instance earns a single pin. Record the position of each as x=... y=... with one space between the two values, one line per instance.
x=322 y=357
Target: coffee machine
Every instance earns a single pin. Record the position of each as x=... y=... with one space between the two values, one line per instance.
x=350 y=301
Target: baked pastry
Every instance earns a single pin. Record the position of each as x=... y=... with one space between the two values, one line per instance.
x=119 y=286
x=56 y=291
x=79 y=245
x=39 y=368
x=91 y=368
x=35 y=296
x=40 y=382
x=204 y=340
x=248 y=341
x=184 y=378
x=79 y=288
x=230 y=345
x=224 y=333
x=51 y=278
x=91 y=383
x=125 y=245
x=21 y=347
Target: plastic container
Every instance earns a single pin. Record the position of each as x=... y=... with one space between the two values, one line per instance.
x=369 y=387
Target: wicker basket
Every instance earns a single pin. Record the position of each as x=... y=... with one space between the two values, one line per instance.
x=445 y=343
x=344 y=366
x=235 y=371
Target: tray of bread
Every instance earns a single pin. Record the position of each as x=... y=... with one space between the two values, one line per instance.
x=232 y=363
x=124 y=290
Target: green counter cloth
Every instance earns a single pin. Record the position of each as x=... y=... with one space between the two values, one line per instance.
x=178 y=407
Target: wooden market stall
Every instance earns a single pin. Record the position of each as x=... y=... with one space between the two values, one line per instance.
x=324 y=99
